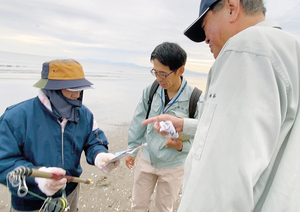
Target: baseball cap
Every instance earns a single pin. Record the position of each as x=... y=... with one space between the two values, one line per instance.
x=63 y=74
x=195 y=31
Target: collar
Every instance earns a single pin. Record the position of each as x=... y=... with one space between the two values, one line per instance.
x=46 y=102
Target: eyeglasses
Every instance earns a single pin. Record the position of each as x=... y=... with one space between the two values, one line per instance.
x=160 y=74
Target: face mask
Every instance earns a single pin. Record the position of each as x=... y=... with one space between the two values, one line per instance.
x=63 y=107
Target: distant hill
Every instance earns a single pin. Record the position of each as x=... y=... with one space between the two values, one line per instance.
x=195 y=72
x=19 y=59
x=135 y=65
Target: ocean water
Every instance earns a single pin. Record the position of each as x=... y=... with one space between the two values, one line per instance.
x=118 y=87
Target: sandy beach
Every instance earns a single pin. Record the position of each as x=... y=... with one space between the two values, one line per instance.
x=110 y=192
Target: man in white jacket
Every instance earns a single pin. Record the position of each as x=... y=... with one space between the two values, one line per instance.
x=245 y=151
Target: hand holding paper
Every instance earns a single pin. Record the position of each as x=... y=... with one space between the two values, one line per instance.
x=168 y=127
x=130 y=161
x=125 y=153
x=102 y=162
x=176 y=121
x=174 y=143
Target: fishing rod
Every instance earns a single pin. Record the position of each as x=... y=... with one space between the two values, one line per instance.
x=18 y=175
x=32 y=172
x=17 y=178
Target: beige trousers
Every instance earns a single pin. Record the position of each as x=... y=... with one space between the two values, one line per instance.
x=168 y=184
x=73 y=200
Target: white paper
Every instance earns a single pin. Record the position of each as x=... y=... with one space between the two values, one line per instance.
x=122 y=154
x=168 y=127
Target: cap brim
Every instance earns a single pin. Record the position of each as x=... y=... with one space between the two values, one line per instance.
x=62 y=84
x=41 y=83
x=195 y=31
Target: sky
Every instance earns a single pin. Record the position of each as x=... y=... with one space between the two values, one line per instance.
x=116 y=30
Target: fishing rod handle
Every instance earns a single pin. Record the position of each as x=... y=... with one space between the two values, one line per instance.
x=37 y=173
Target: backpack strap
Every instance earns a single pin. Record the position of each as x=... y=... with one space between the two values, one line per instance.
x=193 y=101
x=151 y=94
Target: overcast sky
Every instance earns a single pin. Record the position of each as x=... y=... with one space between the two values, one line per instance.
x=114 y=30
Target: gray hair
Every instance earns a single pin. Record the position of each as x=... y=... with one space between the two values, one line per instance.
x=250 y=7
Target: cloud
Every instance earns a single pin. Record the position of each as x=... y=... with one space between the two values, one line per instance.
x=287 y=14
x=118 y=31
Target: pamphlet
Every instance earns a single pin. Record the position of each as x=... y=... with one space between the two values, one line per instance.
x=122 y=154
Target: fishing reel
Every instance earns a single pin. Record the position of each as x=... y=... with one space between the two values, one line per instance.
x=59 y=204
x=55 y=205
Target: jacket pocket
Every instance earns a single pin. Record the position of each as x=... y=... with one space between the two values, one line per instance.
x=155 y=109
x=203 y=129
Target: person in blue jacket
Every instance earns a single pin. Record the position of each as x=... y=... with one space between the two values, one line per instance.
x=49 y=133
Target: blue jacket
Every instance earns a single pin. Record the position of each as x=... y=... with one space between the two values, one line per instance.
x=31 y=136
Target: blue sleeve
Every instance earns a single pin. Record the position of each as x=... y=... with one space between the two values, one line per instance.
x=96 y=143
x=11 y=156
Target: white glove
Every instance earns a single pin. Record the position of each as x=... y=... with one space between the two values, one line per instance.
x=51 y=186
x=168 y=127
x=101 y=161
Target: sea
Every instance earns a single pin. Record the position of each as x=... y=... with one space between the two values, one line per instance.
x=117 y=86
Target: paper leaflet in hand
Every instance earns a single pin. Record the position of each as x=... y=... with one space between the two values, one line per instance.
x=168 y=127
x=122 y=154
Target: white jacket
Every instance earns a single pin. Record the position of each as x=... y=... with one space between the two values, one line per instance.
x=245 y=155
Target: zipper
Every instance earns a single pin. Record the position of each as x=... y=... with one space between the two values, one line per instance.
x=62 y=146
x=150 y=152
x=63 y=124
x=163 y=110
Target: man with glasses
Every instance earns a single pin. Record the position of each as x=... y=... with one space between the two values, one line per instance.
x=245 y=155
x=161 y=161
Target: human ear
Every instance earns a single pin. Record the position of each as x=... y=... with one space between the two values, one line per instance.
x=234 y=7
x=180 y=70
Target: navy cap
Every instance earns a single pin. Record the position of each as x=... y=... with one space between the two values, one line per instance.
x=195 y=31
